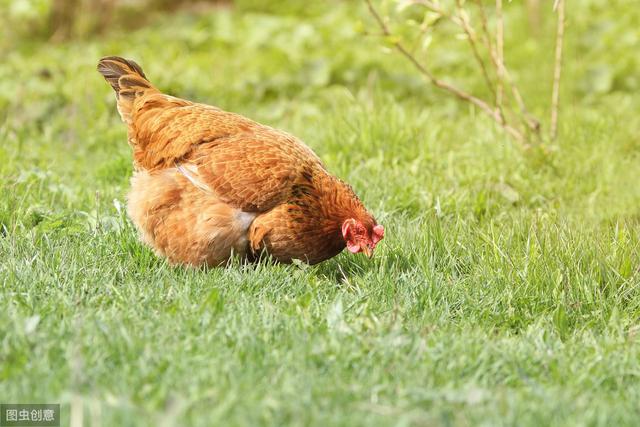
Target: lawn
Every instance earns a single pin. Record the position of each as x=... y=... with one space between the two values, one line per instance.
x=506 y=290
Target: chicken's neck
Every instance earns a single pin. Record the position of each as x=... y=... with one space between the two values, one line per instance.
x=343 y=204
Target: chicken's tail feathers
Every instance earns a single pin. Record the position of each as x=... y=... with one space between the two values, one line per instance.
x=128 y=81
x=113 y=68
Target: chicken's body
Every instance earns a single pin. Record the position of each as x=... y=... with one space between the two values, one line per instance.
x=208 y=183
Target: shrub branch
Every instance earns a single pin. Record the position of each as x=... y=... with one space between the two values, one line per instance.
x=527 y=118
x=557 y=69
x=473 y=42
x=500 y=53
x=494 y=113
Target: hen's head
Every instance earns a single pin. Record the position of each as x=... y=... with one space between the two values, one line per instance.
x=361 y=238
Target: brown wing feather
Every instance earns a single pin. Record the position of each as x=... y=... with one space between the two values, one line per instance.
x=254 y=171
x=248 y=165
x=165 y=129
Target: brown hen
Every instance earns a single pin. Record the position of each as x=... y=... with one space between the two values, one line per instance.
x=209 y=184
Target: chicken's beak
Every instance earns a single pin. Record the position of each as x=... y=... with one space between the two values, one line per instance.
x=367 y=250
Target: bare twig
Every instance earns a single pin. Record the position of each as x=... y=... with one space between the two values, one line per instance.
x=462 y=20
x=493 y=113
x=471 y=36
x=485 y=26
x=532 y=123
x=557 y=69
x=500 y=53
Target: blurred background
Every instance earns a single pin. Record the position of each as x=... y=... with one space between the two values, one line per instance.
x=602 y=35
x=299 y=65
x=289 y=62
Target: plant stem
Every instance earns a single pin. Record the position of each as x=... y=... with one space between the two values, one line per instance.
x=486 y=108
x=464 y=23
x=500 y=54
x=557 y=70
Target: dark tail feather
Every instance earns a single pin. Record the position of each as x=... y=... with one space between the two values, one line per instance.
x=114 y=67
x=127 y=79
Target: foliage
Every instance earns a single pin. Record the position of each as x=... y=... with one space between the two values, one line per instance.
x=505 y=291
x=411 y=29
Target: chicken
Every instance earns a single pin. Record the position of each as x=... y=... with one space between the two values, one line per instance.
x=209 y=184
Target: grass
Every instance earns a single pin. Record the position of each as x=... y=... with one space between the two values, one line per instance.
x=506 y=291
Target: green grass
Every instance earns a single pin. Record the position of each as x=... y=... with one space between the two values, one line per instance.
x=506 y=291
